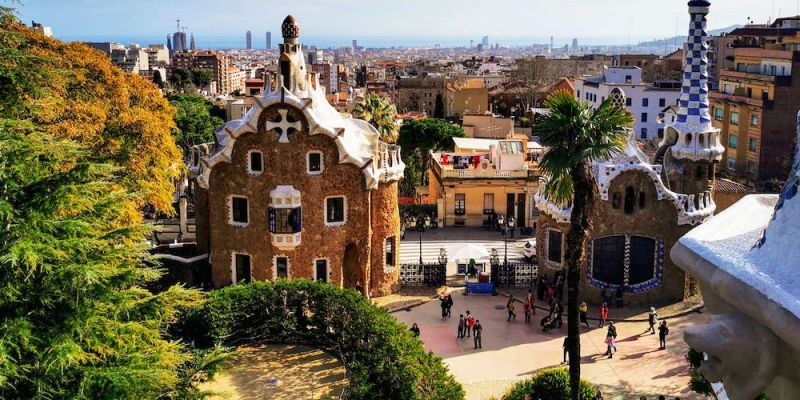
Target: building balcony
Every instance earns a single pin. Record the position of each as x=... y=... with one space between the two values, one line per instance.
x=765 y=104
x=483 y=170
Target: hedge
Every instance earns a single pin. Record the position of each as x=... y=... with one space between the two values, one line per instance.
x=382 y=358
x=550 y=384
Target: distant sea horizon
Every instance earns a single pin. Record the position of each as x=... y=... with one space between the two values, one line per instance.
x=331 y=42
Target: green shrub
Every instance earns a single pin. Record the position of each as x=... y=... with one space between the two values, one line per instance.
x=383 y=359
x=551 y=384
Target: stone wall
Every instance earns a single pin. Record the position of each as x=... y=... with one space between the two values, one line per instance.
x=385 y=225
x=285 y=164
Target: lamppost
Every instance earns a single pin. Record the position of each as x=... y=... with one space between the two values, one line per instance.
x=505 y=243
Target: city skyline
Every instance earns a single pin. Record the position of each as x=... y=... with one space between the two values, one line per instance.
x=443 y=21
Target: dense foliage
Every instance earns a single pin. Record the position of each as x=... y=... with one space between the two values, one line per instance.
x=185 y=78
x=194 y=120
x=381 y=114
x=71 y=91
x=552 y=384
x=575 y=134
x=417 y=139
x=383 y=359
x=82 y=146
x=76 y=322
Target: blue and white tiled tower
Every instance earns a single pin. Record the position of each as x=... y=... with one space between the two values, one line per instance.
x=697 y=139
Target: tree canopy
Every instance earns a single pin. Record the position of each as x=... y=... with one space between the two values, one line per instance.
x=380 y=114
x=76 y=321
x=72 y=91
x=194 y=120
x=417 y=139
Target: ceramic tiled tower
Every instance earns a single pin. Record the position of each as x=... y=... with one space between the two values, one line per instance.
x=697 y=140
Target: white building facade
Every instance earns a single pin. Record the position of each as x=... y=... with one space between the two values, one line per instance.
x=644 y=100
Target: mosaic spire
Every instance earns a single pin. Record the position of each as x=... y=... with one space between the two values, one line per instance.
x=693 y=111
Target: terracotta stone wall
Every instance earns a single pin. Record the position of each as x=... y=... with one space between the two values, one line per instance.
x=657 y=220
x=385 y=225
x=285 y=164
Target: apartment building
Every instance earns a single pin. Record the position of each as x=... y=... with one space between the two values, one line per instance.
x=217 y=62
x=644 y=100
x=755 y=110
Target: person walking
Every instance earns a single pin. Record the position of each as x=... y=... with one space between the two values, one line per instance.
x=663 y=331
x=510 y=307
x=449 y=304
x=532 y=300
x=443 y=305
x=462 y=323
x=559 y=313
x=511 y=227
x=551 y=293
x=583 y=310
x=652 y=319
x=527 y=309
x=470 y=322
x=611 y=339
x=603 y=315
x=478 y=330
x=415 y=329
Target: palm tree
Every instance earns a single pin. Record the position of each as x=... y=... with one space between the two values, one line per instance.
x=380 y=114
x=575 y=134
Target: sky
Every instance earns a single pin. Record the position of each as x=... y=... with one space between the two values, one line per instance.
x=591 y=21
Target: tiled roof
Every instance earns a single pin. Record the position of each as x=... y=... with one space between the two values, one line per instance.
x=726 y=185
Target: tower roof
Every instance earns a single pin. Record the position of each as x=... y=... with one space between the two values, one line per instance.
x=699 y=3
x=289 y=28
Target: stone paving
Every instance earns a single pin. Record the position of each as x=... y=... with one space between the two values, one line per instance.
x=514 y=351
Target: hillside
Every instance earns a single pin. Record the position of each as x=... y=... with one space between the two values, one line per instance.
x=660 y=43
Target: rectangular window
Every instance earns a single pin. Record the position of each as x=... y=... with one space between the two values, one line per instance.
x=628 y=101
x=662 y=102
x=644 y=133
x=461 y=204
x=239 y=212
x=281 y=267
x=752 y=144
x=488 y=202
x=256 y=162
x=733 y=141
x=732 y=164
x=751 y=167
x=390 y=250
x=285 y=220
x=660 y=133
x=314 y=163
x=644 y=117
x=754 y=120
x=321 y=270
x=554 y=246
x=719 y=114
x=242 y=268
x=335 y=211
x=734 y=118
x=645 y=102
x=628 y=78
x=579 y=94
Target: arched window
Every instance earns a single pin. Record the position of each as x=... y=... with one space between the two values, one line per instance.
x=641 y=200
x=700 y=174
x=630 y=199
x=688 y=139
x=616 y=200
x=639 y=271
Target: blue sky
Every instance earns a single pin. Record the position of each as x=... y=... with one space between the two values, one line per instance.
x=585 y=19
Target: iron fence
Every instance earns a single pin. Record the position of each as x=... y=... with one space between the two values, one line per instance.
x=430 y=274
x=514 y=274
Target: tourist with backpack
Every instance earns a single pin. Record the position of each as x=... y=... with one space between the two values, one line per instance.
x=663 y=331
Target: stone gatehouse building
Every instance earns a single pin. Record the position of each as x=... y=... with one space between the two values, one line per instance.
x=642 y=206
x=297 y=190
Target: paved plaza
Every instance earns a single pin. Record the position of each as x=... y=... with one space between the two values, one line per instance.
x=513 y=351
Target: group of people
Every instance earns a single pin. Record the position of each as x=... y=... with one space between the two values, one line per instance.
x=529 y=307
x=468 y=324
x=663 y=331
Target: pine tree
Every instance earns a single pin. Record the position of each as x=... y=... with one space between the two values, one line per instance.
x=76 y=321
